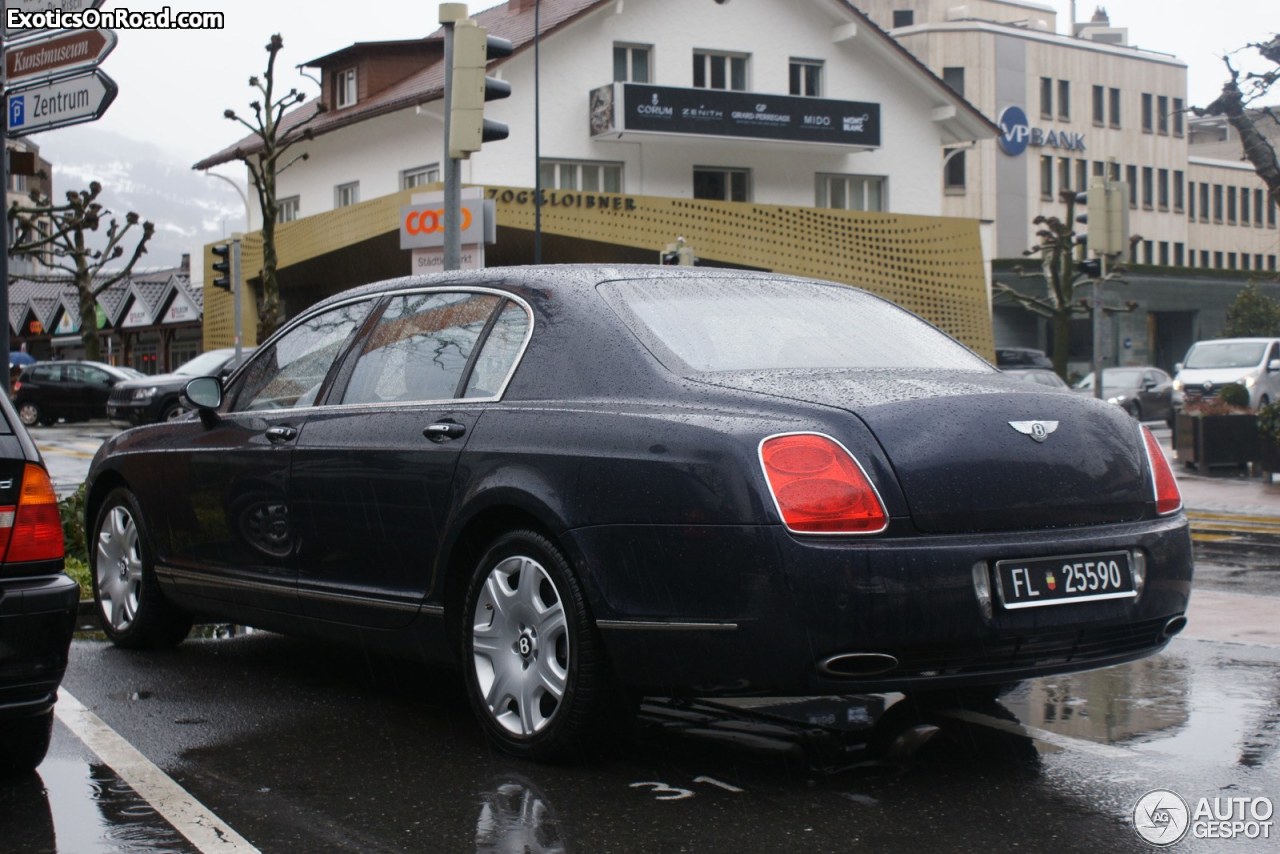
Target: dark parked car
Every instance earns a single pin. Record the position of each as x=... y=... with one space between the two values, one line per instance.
x=37 y=600
x=678 y=480
x=76 y=391
x=159 y=398
x=1146 y=393
x=1022 y=357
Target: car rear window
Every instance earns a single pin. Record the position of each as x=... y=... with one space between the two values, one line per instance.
x=726 y=324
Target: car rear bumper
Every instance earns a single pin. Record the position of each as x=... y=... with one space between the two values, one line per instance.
x=762 y=611
x=37 y=618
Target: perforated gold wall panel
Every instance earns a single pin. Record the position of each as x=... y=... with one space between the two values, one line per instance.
x=929 y=265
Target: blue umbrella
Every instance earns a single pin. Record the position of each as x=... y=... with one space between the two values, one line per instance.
x=17 y=357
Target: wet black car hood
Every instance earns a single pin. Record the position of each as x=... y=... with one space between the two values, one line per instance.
x=962 y=448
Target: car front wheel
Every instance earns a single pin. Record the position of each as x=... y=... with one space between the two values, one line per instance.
x=131 y=606
x=535 y=670
x=29 y=413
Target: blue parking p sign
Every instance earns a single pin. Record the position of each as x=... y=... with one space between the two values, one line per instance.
x=17 y=111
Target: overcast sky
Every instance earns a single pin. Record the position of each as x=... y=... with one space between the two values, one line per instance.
x=174 y=85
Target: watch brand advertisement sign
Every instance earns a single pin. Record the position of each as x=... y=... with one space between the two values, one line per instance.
x=745 y=115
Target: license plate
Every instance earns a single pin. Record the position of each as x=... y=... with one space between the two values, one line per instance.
x=1040 y=581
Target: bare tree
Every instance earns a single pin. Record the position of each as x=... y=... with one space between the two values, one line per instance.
x=1065 y=283
x=1240 y=94
x=65 y=247
x=265 y=161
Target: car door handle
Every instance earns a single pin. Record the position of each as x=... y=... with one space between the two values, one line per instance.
x=283 y=433
x=442 y=431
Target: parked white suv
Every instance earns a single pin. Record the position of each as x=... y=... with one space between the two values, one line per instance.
x=1209 y=365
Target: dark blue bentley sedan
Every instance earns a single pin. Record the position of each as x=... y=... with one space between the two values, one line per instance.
x=585 y=483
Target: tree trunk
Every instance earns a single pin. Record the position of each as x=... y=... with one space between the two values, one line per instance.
x=89 y=322
x=1061 y=342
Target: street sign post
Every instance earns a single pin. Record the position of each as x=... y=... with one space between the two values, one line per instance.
x=32 y=7
x=58 y=53
x=58 y=103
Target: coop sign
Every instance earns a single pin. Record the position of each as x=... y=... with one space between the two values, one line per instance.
x=1016 y=133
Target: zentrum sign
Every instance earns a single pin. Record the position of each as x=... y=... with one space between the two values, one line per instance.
x=1016 y=134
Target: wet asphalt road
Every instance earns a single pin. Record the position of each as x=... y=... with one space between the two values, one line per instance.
x=299 y=748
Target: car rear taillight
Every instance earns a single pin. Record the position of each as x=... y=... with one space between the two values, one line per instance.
x=32 y=530
x=819 y=488
x=1165 y=486
x=17 y=386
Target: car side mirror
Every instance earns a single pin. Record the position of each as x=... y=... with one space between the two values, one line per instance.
x=1149 y=385
x=204 y=394
x=1273 y=366
x=1177 y=367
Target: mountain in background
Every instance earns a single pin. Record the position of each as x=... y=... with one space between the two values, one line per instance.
x=189 y=209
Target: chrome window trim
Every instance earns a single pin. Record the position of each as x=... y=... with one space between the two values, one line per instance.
x=375 y=298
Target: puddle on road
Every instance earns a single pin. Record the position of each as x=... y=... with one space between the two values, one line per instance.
x=70 y=805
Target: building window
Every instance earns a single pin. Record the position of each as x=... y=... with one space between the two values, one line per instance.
x=1064 y=173
x=1148 y=188
x=631 y=63
x=1217 y=260
x=1099 y=106
x=1257 y=261
x=1099 y=168
x=1244 y=205
x=1179 y=254
x=1162 y=189
x=1046 y=97
x=806 y=77
x=1204 y=257
x=1231 y=260
x=592 y=176
x=1115 y=107
x=1164 y=253
x=1146 y=112
x=344 y=84
x=1115 y=172
x=719 y=70
x=1257 y=206
x=419 y=176
x=1177 y=116
x=954 y=173
x=1162 y=115
x=853 y=192
x=1271 y=262
x=726 y=185
x=1131 y=177
x=953 y=76
x=1271 y=213
x=1148 y=252
x=1064 y=100
x=1046 y=178
x=1217 y=204
x=1082 y=174
x=287 y=209
x=346 y=194
x=1179 y=192
x=903 y=18
x=1244 y=260
x=1204 y=202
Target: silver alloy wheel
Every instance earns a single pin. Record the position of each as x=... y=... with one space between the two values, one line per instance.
x=119 y=568
x=29 y=414
x=520 y=645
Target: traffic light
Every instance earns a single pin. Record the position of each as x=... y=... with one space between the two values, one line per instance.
x=1092 y=268
x=473 y=47
x=222 y=266
x=1108 y=220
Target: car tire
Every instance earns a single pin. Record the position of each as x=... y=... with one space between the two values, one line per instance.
x=23 y=744
x=29 y=413
x=131 y=607
x=535 y=669
x=173 y=411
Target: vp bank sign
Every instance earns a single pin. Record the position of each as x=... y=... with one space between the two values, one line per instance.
x=1016 y=133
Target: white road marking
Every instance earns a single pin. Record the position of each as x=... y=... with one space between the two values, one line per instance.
x=188 y=816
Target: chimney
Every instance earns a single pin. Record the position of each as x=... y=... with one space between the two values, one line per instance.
x=185 y=266
x=516 y=7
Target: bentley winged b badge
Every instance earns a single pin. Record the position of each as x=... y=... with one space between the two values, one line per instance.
x=1038 y=430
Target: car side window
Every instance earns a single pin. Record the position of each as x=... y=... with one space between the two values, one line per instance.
x=499 y=352
x=290 y=371
x=419 y=348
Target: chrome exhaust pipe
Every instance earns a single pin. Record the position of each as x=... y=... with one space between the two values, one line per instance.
x=1172 y=627
x=855 y=664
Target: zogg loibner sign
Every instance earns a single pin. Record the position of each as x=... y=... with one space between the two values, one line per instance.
x=1016 y=134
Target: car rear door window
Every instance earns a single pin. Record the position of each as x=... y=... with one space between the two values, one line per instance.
x=420 y=348
x=293 y=368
